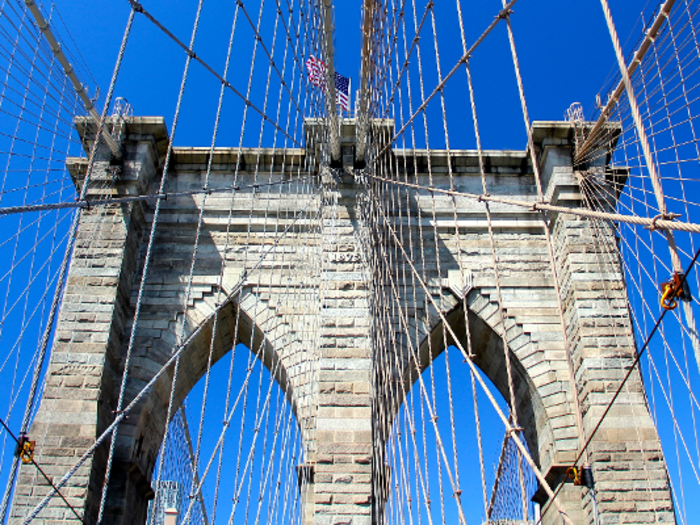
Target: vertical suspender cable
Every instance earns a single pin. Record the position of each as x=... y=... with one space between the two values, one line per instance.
x=651 y=166
x=60 y=283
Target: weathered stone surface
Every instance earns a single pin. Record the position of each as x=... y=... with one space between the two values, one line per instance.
x=315 y=284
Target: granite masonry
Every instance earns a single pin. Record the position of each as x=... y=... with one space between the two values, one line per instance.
x=566 y=367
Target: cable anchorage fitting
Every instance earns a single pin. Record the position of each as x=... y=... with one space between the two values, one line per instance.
x=118 y=413
x=504 y=13
x=664 y=217
x=581 y=476
x=25 y=449
x=675 y=288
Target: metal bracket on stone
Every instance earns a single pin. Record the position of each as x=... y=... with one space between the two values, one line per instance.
x=459 y=282
x=305 y=473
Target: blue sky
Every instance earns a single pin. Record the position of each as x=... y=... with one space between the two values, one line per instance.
x=563 y=45
x=564 y=49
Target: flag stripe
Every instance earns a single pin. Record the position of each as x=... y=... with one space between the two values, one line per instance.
x=317 y=74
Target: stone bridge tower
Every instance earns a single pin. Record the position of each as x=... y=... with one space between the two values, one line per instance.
x=569 y=349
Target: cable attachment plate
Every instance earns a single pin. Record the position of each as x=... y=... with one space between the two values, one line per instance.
x=581 y=476
x=675 y=288
x=25 y=449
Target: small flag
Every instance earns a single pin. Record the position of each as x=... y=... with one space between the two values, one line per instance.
x=317 y=71
x=317 y=76
x=342 y=91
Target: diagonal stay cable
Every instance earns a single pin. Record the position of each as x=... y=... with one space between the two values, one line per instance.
x=135 y=198
x=273 y=64
x=468 y=359
x=140 y=9
x=637 y=358
x=462 y=60
x=656 y=223
x=176 y=353
x=63 y=270
x=41 y=471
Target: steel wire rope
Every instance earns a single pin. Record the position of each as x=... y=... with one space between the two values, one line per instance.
x=42 y=303
x=272 y=63
x=25 y=293
x=631 y=369
x=676 y=433
x=432 y=406
x=421 y=237
x=47 y=288
x=248 y=462
x=457 y=491
x=250 y=370
x=24 y=326
x=421 y=477
x=31 y=266
x=40 y=470
x=144 y=278
x=419 y=221
x=237 y=320
x=265 y=470
x=662 y=85
x=42 y=337
x=47 y=332
x=96 y=233
x=401 y=277
x=31 y=97
x=398 y=449
x=94 y=203
x=2 y=187
x=146 y=388
x=605 y=248
x=70 y=49
x=640 y=267
x=545 y=226
x=505 y=421
x=667 y=351
x=649 y=160
x=193 y=56
x=256 y=171
x=36 y=44
x=63 y=268
x=241 y=392
x=253 y=314
x=231 y=369
x=219 y=291
x=449 y=75
x=477 y=135
x=416 y=361
x=425 y=394
x=279 y=196
x=660 y=224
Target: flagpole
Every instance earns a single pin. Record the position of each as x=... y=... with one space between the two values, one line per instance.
x=330 y=83
x=362 y=121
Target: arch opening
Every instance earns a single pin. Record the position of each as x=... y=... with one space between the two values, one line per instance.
x=440 y=396
x=254 y=373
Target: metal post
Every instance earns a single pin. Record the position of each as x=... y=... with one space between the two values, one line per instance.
x=362 y=117
x=70 y=72
x=330 y=83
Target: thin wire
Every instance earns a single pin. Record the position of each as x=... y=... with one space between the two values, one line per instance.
x=41 y=471
x=631 y=369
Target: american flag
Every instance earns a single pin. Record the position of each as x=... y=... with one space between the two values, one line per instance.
x=317 y=71
x=342 y=91
x=317 y=76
